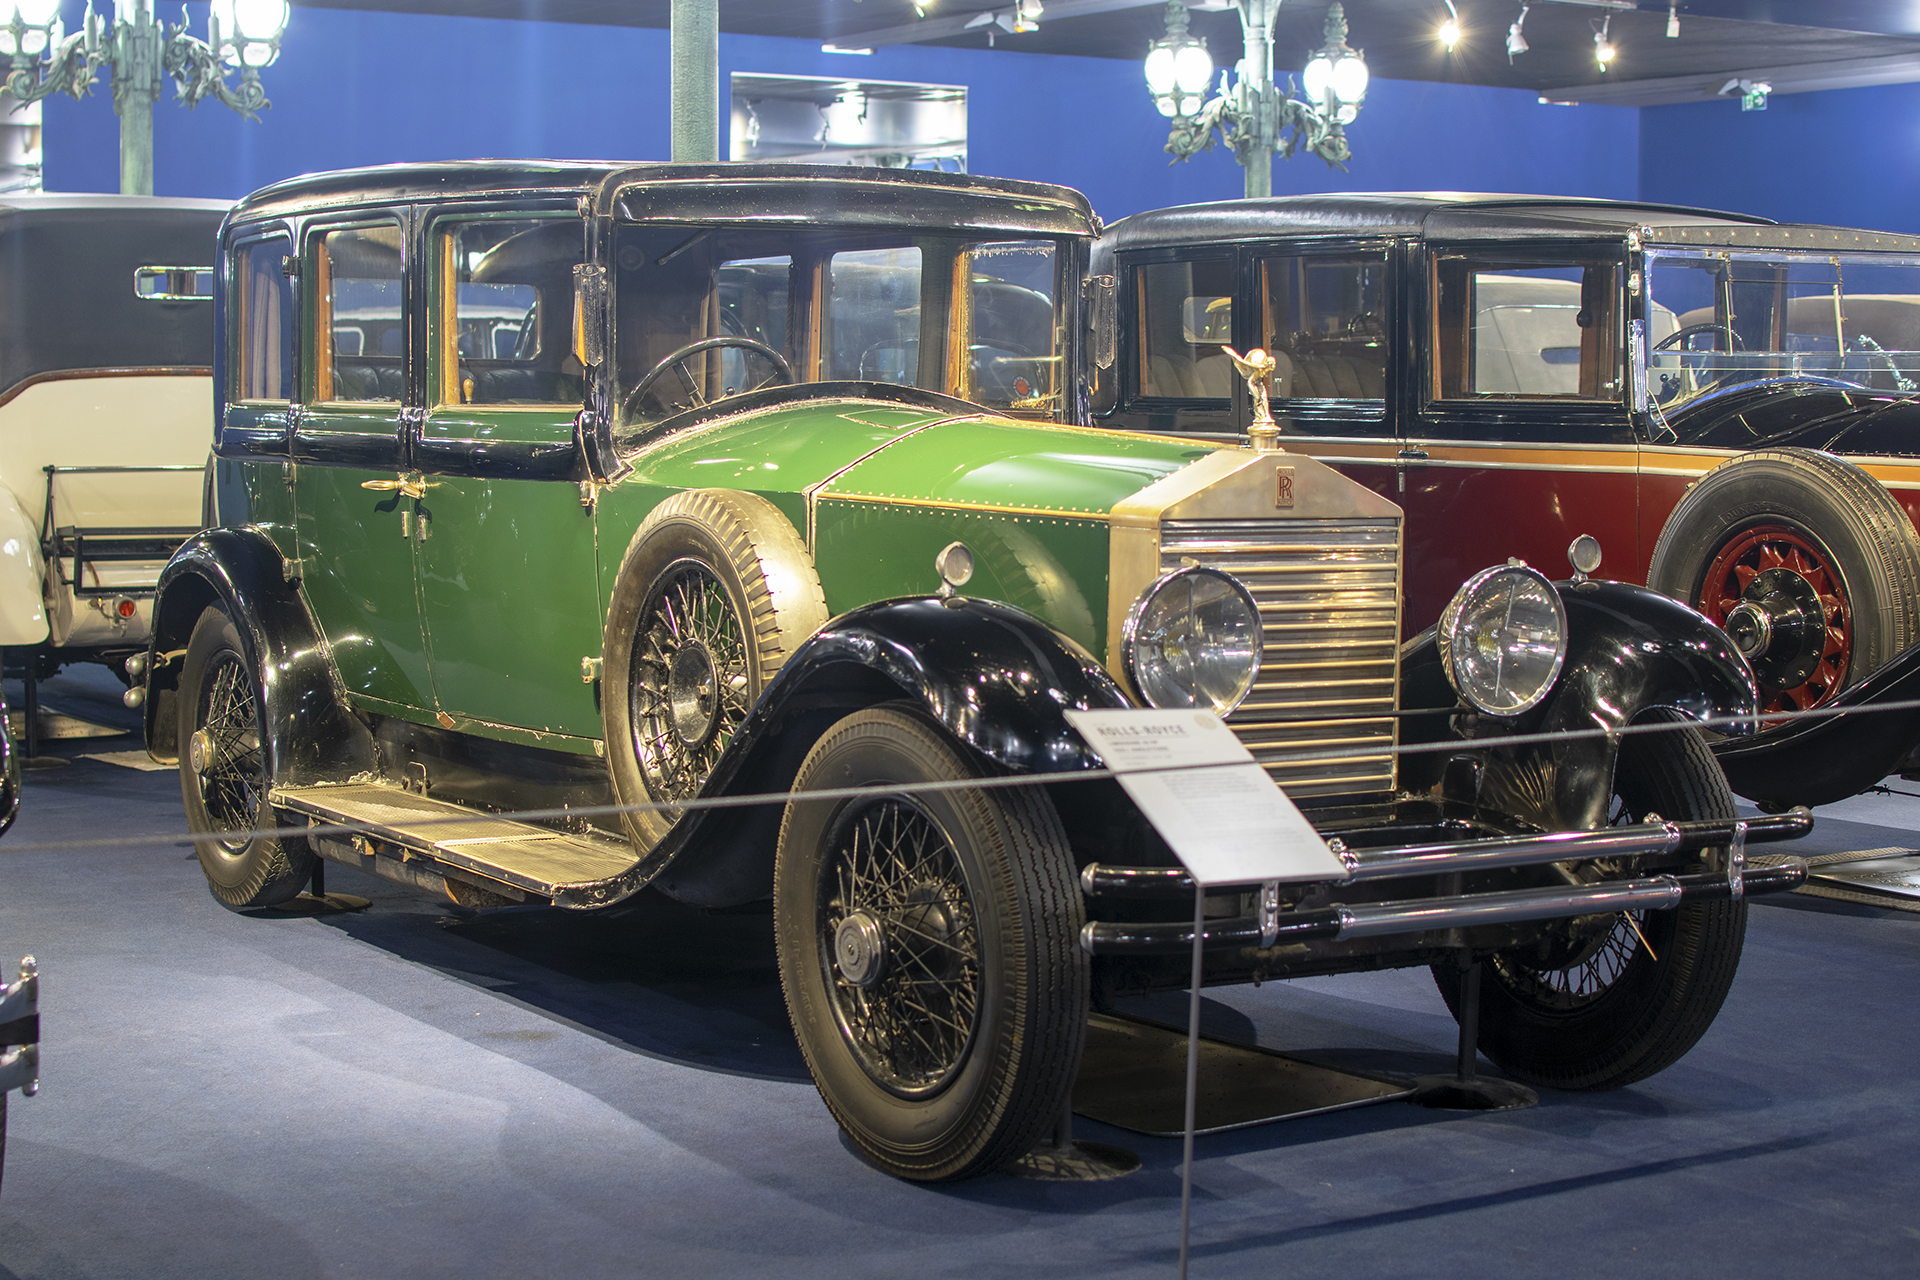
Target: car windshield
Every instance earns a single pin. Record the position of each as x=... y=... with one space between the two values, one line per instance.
x=704 y=313
x=1715 y=320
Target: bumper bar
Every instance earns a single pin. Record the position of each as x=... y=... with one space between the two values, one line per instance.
x=1419 y=915
x=1663 y=839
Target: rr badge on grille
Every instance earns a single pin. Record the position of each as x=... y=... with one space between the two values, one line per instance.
x=1283 y=487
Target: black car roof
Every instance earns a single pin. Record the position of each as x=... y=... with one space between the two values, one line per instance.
x=1459 y=215
x=67 y=299
x=791 y=191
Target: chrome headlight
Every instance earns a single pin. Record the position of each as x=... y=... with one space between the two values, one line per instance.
x=1192 y=639
x=1502 y=639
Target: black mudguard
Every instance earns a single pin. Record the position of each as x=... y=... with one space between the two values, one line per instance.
x=1818 y=761
x=312 y=736
x=999 y=680
x=1629 y=651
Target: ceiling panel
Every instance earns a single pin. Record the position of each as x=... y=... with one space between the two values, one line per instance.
x=1832 y=43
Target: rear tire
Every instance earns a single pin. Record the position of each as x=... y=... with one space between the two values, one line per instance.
x=225 y=772
x=1619 y=1012
x=929 y=951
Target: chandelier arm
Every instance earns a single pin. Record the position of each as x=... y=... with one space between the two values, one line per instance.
x=195 y=68
x=69 y=69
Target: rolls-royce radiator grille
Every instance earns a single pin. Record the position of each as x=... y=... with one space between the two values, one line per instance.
x=1320 y=717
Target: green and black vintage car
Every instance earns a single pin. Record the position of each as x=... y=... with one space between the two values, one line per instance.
x=550 y=498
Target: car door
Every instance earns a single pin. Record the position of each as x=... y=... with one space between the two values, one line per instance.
x=505 y=532
x=1521 y=439
x=355 y=496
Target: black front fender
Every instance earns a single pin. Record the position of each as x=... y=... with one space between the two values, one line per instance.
x=1629 y=651
x=1819 y=760
x=999 y=680
x=312 y=736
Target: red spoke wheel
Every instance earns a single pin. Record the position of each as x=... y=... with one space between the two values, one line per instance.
x=1776 y=591
x=1808 y=563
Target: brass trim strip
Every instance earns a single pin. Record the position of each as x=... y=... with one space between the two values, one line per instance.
x=129 y=371
x=946 y=504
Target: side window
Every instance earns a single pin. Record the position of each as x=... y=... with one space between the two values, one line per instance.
x=1006 y=328
x=359 y=323
x=262 y=321
x=1323 y=320
x=873 y=316
x=504 y=313
x=1526 y=329
x=1185 y=312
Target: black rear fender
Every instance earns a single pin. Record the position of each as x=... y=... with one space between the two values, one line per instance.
x=312 y=736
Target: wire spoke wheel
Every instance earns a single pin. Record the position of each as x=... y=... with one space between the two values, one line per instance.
x=233 y=780
x=1587 y=979
x=689 y=681
x=907 y=1000
x=1601 y=1001
x=929 y=950
x=716 y=591
x=225 y=770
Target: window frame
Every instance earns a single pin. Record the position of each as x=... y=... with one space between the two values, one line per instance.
x=439 y=287
x=238 y=352
x=317 y=306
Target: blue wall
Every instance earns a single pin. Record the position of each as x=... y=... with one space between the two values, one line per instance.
x=1847 y=157
x=352 y=88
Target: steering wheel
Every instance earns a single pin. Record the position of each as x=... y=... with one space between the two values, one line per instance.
x=1687 y=331
x=1696 y=375
x=677 y=359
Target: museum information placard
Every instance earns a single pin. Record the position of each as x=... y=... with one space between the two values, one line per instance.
x=1223 y=816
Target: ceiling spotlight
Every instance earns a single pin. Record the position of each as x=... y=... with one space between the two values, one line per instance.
x=1673 y=19
x=1449 y=33
x=1603 y=50
x=1516 y=40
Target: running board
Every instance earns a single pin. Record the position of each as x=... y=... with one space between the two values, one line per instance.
x=536 y=861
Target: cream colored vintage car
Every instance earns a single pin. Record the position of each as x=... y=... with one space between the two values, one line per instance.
x=106 y=354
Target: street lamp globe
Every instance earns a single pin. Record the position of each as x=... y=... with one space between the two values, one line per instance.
x=1178 y=67
x=35 y=23
x=1336 y=76
x=252 y=30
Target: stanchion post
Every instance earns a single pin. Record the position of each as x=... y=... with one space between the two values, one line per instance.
x=1470 y=1023
x=1193 y=1071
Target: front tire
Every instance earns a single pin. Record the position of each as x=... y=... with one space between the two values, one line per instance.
x=929 y=951
x=1629 y=1003
x=225 y=772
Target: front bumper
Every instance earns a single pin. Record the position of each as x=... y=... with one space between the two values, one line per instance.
x=1419 y=865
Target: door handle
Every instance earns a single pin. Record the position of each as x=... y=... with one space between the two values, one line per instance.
x=1411 y=454
x=406 y=486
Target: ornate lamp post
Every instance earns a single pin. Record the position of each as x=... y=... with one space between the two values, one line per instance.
x=242 y=35
x=1251 y=115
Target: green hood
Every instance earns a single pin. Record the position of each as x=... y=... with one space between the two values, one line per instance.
x=873 y=449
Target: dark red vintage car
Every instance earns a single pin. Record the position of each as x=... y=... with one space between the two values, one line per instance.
x=1724 y=402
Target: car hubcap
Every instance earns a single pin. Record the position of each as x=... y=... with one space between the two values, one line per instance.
x=898 y=923
x=1776 y=592
x=689 y=681
x=859 y=949
x=691 y=694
